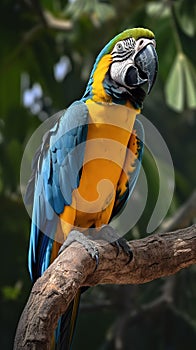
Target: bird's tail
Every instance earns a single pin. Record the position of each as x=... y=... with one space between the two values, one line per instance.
x=65 y=330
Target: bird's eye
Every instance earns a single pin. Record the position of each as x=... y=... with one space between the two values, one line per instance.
x=119 y=47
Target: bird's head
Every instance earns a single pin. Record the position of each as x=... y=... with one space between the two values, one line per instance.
x=126 y=69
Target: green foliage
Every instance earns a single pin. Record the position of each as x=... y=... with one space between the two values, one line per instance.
x=11 y=292
x=185 y=13
x=181 y=84
x=98 y=11
x=30 y=48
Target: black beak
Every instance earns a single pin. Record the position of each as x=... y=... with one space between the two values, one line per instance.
x=147 y=63
x=145 y=68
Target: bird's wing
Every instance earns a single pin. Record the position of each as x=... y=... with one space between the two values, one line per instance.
x=131 y=168
x=55 y=174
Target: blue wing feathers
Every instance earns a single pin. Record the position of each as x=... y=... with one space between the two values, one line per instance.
x=60 y=155
x=66 y=186
x=55 y=175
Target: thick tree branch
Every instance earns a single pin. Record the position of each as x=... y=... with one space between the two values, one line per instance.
x=156 y=256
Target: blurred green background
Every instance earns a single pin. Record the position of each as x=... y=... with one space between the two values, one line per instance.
x=47 y=51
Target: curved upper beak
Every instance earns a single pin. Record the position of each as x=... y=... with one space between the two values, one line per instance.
x=144 y=68
x=146 y=61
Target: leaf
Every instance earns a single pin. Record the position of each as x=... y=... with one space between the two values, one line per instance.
x=155 y=9
x=104 y=12
x=174 y=88
x=76 y=8
x=12 y=292
x=185 y=13
x=180 y=86
x=97 y=10
x=190 y=83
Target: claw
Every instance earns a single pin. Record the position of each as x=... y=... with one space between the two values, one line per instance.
x=116 y=245
x=110 y=235
x=76 y=236
x=126 y=248
x=96 y=258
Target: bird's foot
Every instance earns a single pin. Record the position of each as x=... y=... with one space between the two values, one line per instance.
x=122 y=243
x=109 y=234
x=89 y=245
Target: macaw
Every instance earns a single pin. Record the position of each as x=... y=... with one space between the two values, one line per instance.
x=88 y=162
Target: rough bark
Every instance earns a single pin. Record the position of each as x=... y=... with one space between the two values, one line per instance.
x=156 y=256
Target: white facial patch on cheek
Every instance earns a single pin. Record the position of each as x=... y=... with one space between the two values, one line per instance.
x=118 y=71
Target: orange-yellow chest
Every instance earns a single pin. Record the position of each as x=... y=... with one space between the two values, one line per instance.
x=109 y=131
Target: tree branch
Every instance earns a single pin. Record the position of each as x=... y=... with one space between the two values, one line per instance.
x=57 y=23
x=155 y=256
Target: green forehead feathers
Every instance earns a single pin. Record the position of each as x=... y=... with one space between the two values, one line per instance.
x=135 y=33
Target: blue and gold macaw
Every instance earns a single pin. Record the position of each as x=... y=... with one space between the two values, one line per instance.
x=88 y=162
